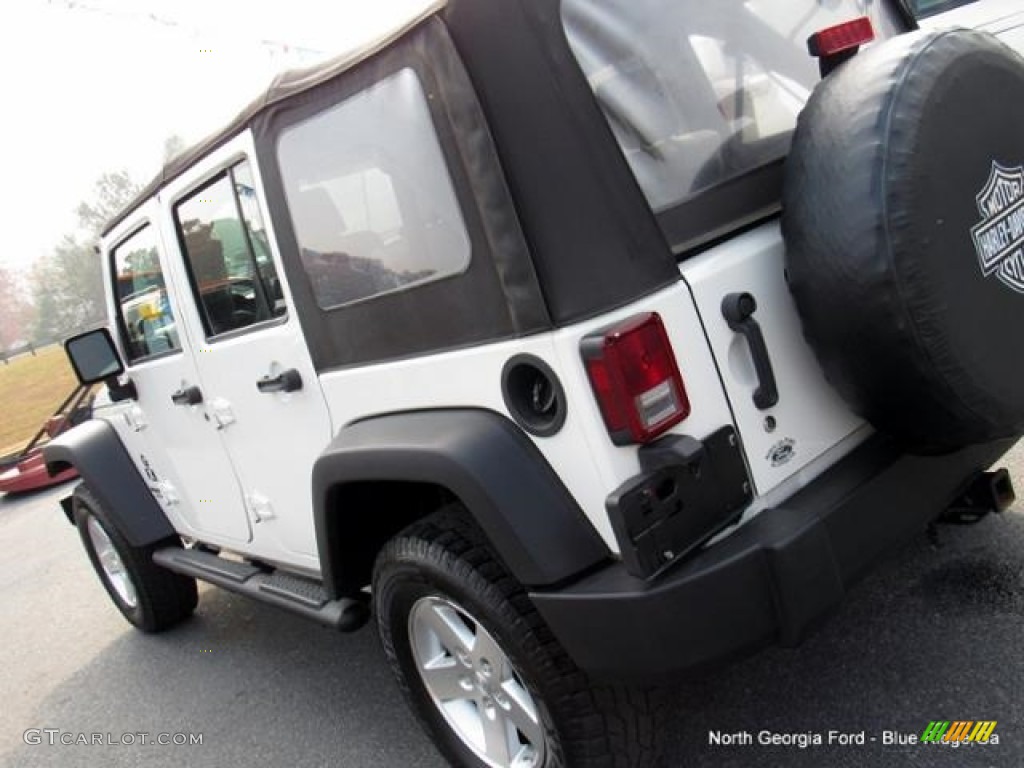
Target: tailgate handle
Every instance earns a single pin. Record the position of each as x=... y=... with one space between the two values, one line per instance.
x=738 y=310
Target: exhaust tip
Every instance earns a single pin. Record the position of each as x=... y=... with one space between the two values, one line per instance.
x=1003 y=494
x=988 y=492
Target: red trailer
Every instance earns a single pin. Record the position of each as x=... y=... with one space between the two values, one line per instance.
x=25 y=471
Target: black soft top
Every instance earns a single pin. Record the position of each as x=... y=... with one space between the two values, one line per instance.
x=283 y=87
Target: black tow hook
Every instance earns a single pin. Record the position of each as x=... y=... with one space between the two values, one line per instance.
x=988 y=492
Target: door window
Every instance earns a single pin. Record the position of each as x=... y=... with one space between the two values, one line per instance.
x=145 y=316
x=227 y=252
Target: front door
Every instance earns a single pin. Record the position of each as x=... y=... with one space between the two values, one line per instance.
x=181 y=459
x=260 y=389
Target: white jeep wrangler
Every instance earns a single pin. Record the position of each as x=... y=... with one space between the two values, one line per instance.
x=581 y=343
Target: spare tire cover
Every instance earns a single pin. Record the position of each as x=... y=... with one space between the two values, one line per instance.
x=903 y=216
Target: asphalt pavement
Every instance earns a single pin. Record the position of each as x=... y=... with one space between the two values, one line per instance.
x=932 y=634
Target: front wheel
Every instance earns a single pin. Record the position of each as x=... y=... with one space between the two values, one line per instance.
x=480 y=668
x=150 y=597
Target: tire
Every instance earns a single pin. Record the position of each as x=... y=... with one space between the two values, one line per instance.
x=902 y=183
x=438 y=578
x=150 y=597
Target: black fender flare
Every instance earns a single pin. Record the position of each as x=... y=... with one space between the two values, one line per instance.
x=96 y=451
x=529 y=517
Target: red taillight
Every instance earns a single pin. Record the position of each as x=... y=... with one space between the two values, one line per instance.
x=841 y=38
x=635 y=379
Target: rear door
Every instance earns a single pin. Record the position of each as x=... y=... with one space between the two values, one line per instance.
x=259 y=385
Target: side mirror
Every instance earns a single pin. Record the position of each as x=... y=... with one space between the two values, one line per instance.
x=94 y=358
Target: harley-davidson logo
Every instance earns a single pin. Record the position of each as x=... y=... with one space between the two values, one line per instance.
x=999 y=238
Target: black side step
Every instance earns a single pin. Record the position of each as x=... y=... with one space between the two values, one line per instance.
x=285 y=590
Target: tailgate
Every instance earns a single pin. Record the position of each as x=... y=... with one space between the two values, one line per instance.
x=809 y=417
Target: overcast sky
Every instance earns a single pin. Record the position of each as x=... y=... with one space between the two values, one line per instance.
x=92 y=86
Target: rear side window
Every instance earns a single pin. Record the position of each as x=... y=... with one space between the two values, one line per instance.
x=221 y=232
x=698 y=92
x=144 y=311
x=371 y=201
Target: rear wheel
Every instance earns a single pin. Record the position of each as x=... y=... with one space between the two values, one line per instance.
x=474 y=685
x=150 y=597
x=480 y=668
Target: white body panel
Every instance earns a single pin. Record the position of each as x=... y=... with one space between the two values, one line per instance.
x=810 y=418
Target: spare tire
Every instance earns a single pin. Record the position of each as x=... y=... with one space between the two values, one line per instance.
x=903 y=216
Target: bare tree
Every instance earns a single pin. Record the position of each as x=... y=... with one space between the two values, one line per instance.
x=14 y=310
x=111 y=192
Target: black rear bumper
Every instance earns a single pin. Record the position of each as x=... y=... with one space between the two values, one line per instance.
x=771 y=580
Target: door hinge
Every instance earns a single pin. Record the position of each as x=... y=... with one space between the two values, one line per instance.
x=166 y=493
x=135 y=418
x=223 y=414
x=259 y=507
